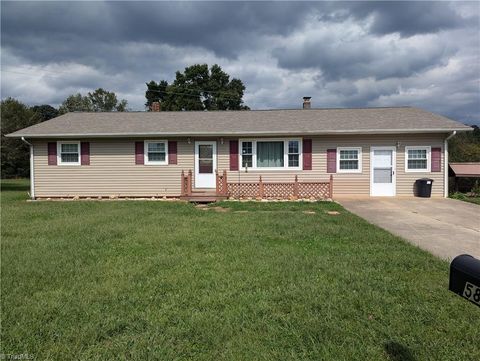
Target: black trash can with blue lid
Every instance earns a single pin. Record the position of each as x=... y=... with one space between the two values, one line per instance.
x=424 y=187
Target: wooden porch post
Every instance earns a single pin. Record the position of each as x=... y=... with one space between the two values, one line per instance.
x=260 y=188
x=225 y=184
x=189 y=183
x=295 y=188
x=182 y=184
x=217 y=183
x=330 y=187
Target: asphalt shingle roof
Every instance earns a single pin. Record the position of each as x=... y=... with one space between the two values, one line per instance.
x=467 y=169
x=256 y=122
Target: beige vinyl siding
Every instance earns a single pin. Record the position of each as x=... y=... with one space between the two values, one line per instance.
x=347 y=183
x=113 y=172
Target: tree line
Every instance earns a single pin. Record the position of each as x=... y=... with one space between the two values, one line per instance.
x=16 y=115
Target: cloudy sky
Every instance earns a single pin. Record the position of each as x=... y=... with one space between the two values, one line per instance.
x=424 y=54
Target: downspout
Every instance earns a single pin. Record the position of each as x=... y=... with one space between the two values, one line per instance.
x=32 y=178
x=445 y=167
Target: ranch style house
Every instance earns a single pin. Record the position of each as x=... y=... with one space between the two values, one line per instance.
x=201 y=155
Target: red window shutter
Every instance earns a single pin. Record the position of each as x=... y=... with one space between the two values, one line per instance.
x=436 y=158
x=52 y=153
x=234 y=155
x=139 y=147
x=331 y=160
x=85 y=153
x=172 y=152
x=307 y=154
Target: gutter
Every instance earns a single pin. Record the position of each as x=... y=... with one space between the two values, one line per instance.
x=236 y=134
x=445 y=167
x=32 y=176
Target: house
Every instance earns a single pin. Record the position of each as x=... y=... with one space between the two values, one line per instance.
x=298 y=153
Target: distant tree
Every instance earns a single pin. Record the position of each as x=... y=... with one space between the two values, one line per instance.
x=105 y=101
x=122 y=106
x=465 y=146
x=100 y=100
x=76 y=103
x=45 y=111
x=15 y=160
x=156 y=92
x=198 y=88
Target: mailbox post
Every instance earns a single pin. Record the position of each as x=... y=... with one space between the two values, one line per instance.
x=465 y=278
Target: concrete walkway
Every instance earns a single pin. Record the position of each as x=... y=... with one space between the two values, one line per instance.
x=445 y=227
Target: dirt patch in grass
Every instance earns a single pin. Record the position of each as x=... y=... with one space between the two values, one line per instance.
x=220 y=209
x=206 y=207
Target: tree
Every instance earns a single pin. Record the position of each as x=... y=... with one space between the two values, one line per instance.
x=15 y=153
x=198 y=88
x=465 y=146
x=45 y=111
x=100 y=100
x=76 y=103
x=104 y=101
x=155 y=92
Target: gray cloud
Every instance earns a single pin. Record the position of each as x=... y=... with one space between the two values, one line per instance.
x=342 y=54
x=409 y=18
x=361 y=56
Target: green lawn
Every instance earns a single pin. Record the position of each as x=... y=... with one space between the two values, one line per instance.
x=465 y=198
x=475 y=200
x=138 y=280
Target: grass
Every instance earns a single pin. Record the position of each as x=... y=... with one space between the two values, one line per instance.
x=474 y=200
x=142 y=280
x=466 y=198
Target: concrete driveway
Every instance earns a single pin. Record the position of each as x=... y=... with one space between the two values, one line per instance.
x=445 y=227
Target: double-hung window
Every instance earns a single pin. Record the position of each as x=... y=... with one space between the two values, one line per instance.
x=270 y=154
x=156 y=152
x=349 y=160
x=247 y=154
x=293 y=153
x=417 y=159
x=68 y=153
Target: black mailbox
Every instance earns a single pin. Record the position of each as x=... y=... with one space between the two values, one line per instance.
x=465 y=278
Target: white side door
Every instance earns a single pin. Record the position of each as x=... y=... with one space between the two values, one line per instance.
x=205 y=164
x=382 y=171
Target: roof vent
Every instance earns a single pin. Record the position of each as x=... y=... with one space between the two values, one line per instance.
x=306 y=103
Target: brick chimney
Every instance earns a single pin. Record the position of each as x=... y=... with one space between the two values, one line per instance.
x=155 y=107
x=306 y=102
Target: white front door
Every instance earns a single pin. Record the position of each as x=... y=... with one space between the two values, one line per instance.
x=205 y=164
x=382 y=171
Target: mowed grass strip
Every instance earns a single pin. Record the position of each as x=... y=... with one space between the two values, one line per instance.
x=137 y=280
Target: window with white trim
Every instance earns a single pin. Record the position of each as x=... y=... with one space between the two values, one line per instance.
x=156 y=152
x=417 y=159
x=247 y=154
x=349 y=160
x=270 y=154
x=293 y=153
x=68 y=153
